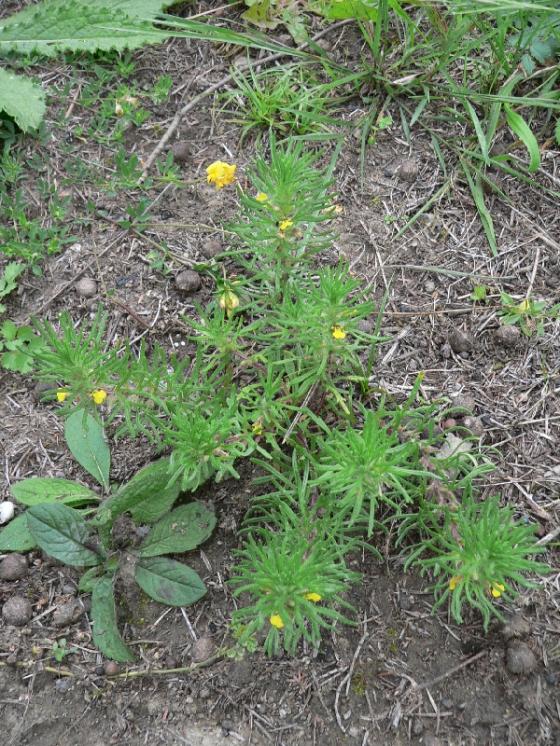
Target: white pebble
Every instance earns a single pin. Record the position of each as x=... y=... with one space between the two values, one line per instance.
x=6 y=512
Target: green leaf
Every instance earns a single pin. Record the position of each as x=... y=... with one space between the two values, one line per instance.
x=16 y=537
x=62 y=533
x=179 y=531
x=86 y=440
x=104 y=619
x=39 y=490
x=21 y=99
x=89 y=579
x=147 y=496
x=80 y=25
x=520 y=128
x=8 y=278
x=169 y=582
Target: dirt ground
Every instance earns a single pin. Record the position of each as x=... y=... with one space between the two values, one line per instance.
x=403 y=675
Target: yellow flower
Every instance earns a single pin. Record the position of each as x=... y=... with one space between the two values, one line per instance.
x=62 y=395
x=313 y=597
x=285 y=224
x=497 y=589
x=338 y=332
x=221 y=174
x=99 y=396
x=261 y=197
x=453 y=582
x=276 y=621
x=229 y=301
x=257 y=428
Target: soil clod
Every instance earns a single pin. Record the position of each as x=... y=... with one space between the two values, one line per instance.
x=181 y=152
x=86 y=287
x=17 y=611
x=202 y=649
x=460 y=341
x=508 y=336
x=67 y=613
x=520 y=659
x=13 y=567
x=188 y=281
x=516 y=628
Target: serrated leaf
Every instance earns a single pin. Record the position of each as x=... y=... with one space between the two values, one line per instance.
x=86 y=440
x=16 y=536
x=106 y=634
x=179 y=531
x=39 y=490
x=520 y=128
x=147 y=496
x=21 y=99
x=80 y=25
x=62 y=533
x=169 y=582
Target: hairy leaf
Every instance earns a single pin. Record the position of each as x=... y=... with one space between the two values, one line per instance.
x=62 y=533
x=86 y=440
x=168 y=581
x=104 y=619
x=147 y=496
x=21 y=99
x=16 y=537
x=179 y=531
x=39 y=490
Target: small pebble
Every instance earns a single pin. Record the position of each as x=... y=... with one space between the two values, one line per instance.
x=464 y=401
x=520 y=659
x=17 y=611
x=366 y=325
x=204 y=693
x=552 y=678
x=67 y=613
x=202 y=649
x=42 y=390
x=508 y=336
x=63 y=685
x=354 y=732
x=227 y=726
x=188 y=281
x=13 y=567
x=460 y=341
x=212 y=248
x=474 y=424
x=86 y=287
x=447 y=703
x=110 y=668
x=431 y=741
x=429 y=286
x=515 y=628
x=449 y=423
x=181 y=152
x=7 y=510
x=408 y=170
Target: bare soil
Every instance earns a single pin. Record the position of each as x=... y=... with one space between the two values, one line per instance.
x=403 y=675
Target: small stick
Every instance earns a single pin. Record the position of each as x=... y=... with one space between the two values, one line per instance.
x=451 y=671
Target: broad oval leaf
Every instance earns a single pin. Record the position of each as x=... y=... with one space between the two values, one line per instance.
x=86 y=440
x=179 y=531
x=39 y=490
x=88 y=579
x=104 y=619
x=22 y=99
x=147 y=496
x=16 y=537
x=169 y=582
x=62 y=533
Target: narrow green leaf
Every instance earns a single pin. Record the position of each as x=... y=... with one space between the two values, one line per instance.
x=86 y=440
x=62 y=533
x=484 y=149
x=179 y=531
x=169 y=582
x=39 y=490
x=104 y=619
x=520 y=128
x=483 y=212
x=147 y=496
x=16 y=537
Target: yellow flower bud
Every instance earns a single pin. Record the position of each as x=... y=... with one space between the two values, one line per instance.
x=313 y=597
x=276 y=621
x=261 y=197
x=99 y=396
x=497 y=589
x=453 y=582
x=229 y=301
x=338 y=332
x=285 y=224
x=62 y=395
